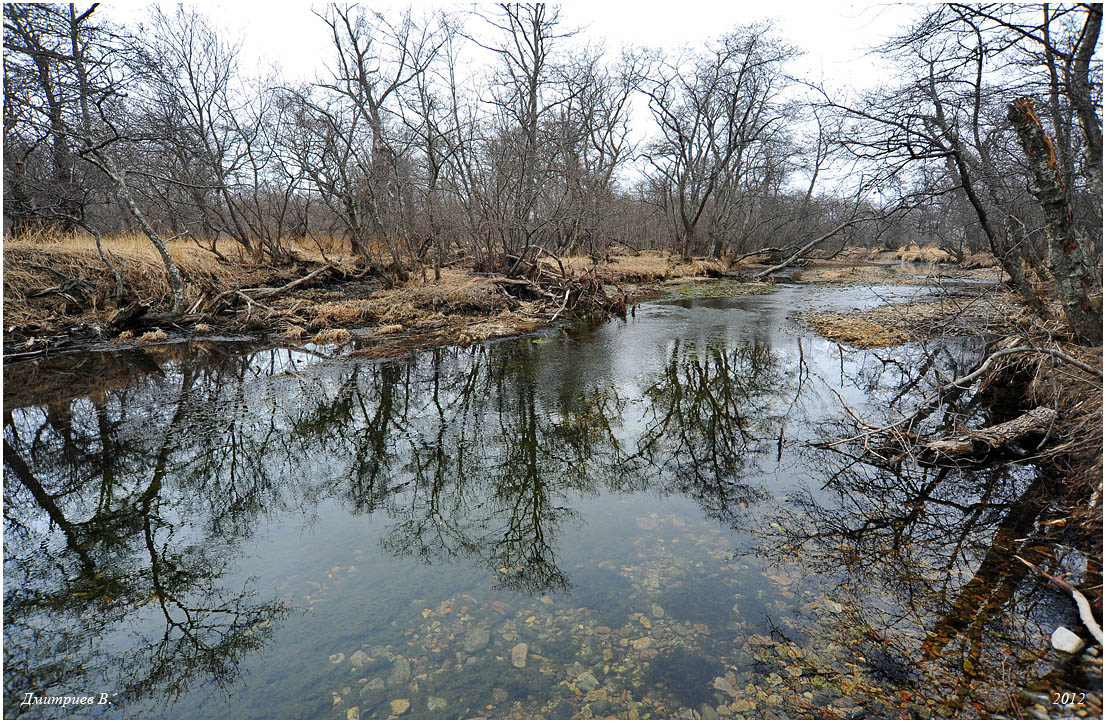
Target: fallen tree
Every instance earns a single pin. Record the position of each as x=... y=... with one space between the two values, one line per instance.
x=1009 y=440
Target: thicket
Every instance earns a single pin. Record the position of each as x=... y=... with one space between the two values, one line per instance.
x=492 y=137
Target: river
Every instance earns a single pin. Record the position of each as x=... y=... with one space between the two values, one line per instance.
x=616 y=518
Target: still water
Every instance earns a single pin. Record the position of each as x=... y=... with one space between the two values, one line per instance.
x=616 y=519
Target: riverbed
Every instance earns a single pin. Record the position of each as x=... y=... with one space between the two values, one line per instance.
x=634 y=518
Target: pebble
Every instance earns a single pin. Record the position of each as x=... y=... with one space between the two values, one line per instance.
x=337 y=658
x=499 y=695
x=642 y=643
x=587 y=681
x=353 y=713
x=657 y=611
x=477 y=639
x=1066 y=641
x=400 y=706
x=374 y=684
x=359 y=658
x=433 y=703
x=401 y=672
x=725 y=686
x=518 y=655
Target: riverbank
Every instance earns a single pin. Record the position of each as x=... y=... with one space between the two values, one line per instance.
x=1027 y=364
x=58 y=297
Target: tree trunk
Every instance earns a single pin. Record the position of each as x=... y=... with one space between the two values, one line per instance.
x=1074 y=281
x=982 y=445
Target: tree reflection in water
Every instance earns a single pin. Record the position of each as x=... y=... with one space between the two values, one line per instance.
x=115 y=474
x=126 y=509
x=923 y=558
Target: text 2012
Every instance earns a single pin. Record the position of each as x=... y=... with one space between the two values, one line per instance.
x=1068 y=698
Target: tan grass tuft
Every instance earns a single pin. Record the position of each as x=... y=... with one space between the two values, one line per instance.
x=152 y=336
x=331 y=336
x=294 y=332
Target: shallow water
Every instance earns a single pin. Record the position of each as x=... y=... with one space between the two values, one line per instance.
x=623 y=518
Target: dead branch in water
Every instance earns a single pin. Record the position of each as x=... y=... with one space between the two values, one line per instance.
x=1085 y=612
x=978 y=445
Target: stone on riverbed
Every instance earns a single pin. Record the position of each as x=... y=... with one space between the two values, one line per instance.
x=401 y=672
x=1066 y=641
x=433 y=703
x=587 y=681
x=400 y=706
x=477 y=639
x=518 y=655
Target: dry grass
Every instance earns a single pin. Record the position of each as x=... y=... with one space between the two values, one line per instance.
x=331 y=336
x=630 y=268
x=857 y=330
x=898 y=323
x=980 y=260
x=36 y=269
x=865 y=273
x=152 y=336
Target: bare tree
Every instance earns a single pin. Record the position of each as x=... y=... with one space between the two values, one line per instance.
x=713 y=110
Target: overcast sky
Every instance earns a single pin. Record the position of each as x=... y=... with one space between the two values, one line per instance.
x=833 y=35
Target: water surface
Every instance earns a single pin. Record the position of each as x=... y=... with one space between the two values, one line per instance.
x=625 y=518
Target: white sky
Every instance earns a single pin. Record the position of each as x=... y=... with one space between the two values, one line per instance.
x=834 y=35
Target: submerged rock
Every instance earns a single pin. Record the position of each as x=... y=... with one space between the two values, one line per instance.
x=433 y=703
x=401 y=672
x=477 y=639
x=353 y=713
x=337 y=658
x=400 y=706
x=1066 y=641
x=725 y=686
x=374 y=684
x=359 y=658
x=518 y=655
x=587 y=681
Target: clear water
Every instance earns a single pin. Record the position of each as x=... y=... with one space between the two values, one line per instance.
x=616 y=519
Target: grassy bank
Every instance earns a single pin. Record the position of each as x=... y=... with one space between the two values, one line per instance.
x=58 y=294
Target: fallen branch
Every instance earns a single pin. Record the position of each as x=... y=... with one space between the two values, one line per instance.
x=804 y=249
x=563 y=305
x=979 y=444
x=1085 y=612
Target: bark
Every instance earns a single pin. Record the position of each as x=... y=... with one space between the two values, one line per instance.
x=979 y=445
x=1074 y=281
x=1082 y=98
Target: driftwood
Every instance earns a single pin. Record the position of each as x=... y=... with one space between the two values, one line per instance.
x=976 y=446
x=252 y=296
x=804 y=249
x=120 y=318
x=1084 y=607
